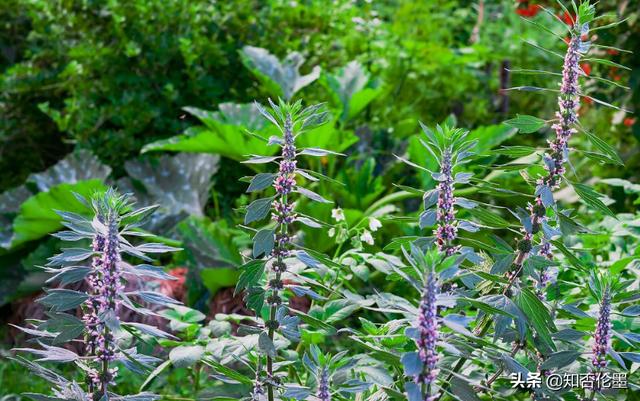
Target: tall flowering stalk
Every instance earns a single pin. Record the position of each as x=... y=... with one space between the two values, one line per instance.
x=113 y=219
x=428 y=326
x=451 y=149
x=273 y=244
x=558 y=152
x=602 y=335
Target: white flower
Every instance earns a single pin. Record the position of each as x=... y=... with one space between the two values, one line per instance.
x=374 y=224
x=337 y=214
x=366 y=237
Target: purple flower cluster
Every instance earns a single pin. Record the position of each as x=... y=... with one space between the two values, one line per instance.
x=602 y=336
x=446 y=231
x=323 y=385
x=283 y=208
x=568 y=103
x=428 y=327
x=106 y=286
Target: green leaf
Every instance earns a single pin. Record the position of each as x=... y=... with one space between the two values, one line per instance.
x=263 y=243
x=261 y=181
x=592 y=198
x=526 y=124
x=537 y=315
x=62 y=300
x=250 y=275
x=185 y=356
x=560 y=359
x=258 y=210
x=605 y=148
x=37 y=216
x=266 y=345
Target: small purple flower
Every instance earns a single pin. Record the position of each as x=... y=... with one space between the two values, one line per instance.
x=323 y=385
x=428 y=331
x=602 y=336
x=446 y=231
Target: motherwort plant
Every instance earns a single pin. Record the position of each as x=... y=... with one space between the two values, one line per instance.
x=565 y=124
x=107 y=340
x=274 y=246
x=451 y=149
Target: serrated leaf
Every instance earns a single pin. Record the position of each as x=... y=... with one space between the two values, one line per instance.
x=526 y=124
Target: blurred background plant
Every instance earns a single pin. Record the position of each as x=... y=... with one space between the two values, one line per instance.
x=155 y=97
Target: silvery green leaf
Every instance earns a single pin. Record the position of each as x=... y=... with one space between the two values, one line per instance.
x=266 y=345
x=413 y=392
x=62 y=300
x=311 y=195
x=155 y=247
x=458 y=323
x=307 y=259
x=154 y=298
x=145 y=270
x=78 y=166
x=545 y=194
x=468 y=226
x=318 y=152
x=560 y=360
x=550 y=232
x=513 y=366
x=261 y=181
x=289 y=325
x=427 y=218
x=296 y=392
x=463 y=390
x=110 y=319
x=68 y=275
x=178 y=184
x=258 y=210
x=305 y=291
x=263 y=243
x=430 y=198
x=186 y=355
x=463 y=178
x=412 y=364
x=69 y=255
x=282 y=78
x=569 y=335
x=465 y=203
x=260 y=159
x=51 y=354
x=308 y=222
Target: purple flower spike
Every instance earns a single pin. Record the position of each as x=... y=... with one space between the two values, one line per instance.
x=446 y=231
x=428 y=326
x=323 y=385
x=568 y=103
x=284 y=184
x=602 y=336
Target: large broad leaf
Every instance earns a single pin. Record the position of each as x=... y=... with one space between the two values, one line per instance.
x=281 y=78
x=78 y=166
x=538 y=316
x=37 y=216
x=225 y=133
x=352 y=88
x=177 y=183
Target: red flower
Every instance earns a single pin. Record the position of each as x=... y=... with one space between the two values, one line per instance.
x=528 y=11
x=567 y=18
x=586 y=67
x=629 y=121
